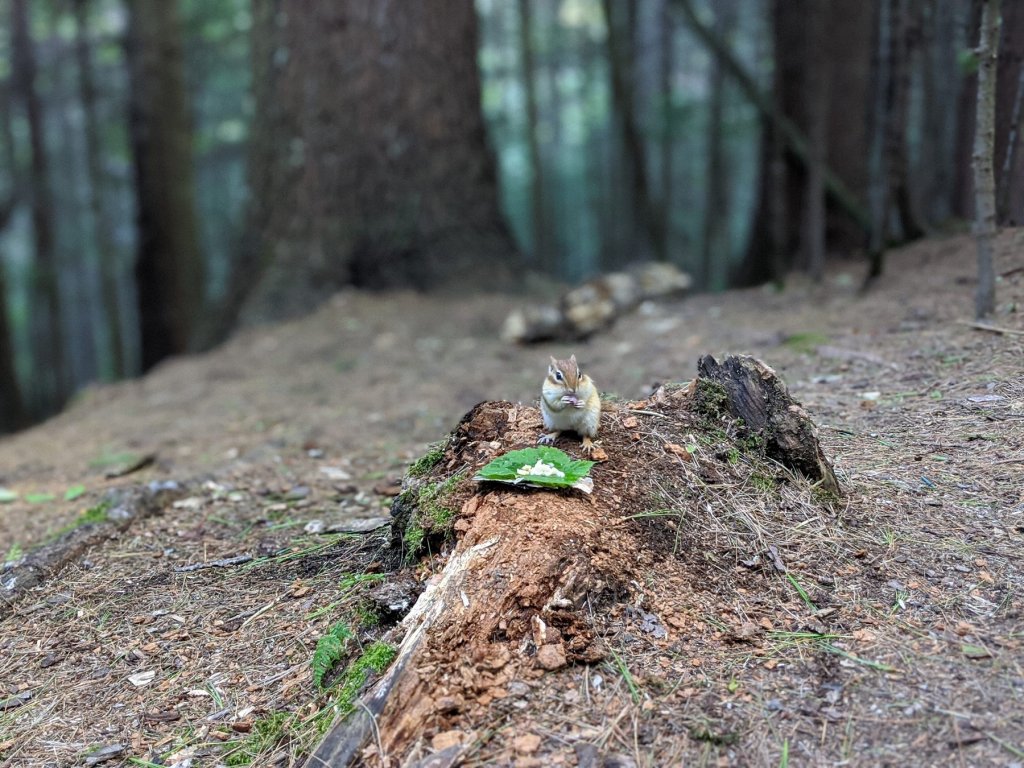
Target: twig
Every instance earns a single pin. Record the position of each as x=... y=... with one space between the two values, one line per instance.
x=992 y=328
x=224 y=562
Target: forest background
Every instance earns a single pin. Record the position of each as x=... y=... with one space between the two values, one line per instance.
x=169 y=170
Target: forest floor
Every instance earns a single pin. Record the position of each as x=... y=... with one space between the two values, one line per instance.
x=903 y=643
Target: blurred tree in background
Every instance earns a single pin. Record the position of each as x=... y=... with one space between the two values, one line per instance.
x=170 y=167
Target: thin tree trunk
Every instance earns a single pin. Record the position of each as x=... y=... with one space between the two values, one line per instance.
x=1009 y=84
x=538 y=224
x=984 y=141
x=1003 y=212
x=102 y=227
x=169 y=263
x=904 y=37
x=49 y=364
x=962 y=193
x=620 y=61
x=817 y=95
x=667 y=123
x=877 y=166
x=12 y=407
x=715 y=240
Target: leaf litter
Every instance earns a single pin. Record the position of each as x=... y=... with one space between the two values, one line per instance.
x=748 y=671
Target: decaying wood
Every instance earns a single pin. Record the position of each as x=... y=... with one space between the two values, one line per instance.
x=530 y=569
x=757 y=395
x=596 y=304
x=124 y=505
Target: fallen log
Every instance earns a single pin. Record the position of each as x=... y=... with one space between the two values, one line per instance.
x=524 y=574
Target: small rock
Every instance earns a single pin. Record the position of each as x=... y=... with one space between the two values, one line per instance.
x=103 y=754
x=526 y=744
x=447 y=739
x=296 y=493
x=551 y=657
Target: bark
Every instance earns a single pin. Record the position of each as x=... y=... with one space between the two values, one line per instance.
x=817 y=98
x=940 y=84
x=369 y=164
x=47 y=330
x=538 y=220
x=715 y=242
x=878 y=196
x=621 y=58
x=168 y=267
x=102 y=226
x=903 y=41
x=984 y=140
x=1009 y=94
x=755 y=394
x=12 y=406
x=962 y=193
x=667 y=42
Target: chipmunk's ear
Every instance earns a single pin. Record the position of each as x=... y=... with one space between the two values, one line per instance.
x=554 y=363
x=572 y=360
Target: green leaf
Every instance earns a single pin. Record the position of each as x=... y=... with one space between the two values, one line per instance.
x=506 y=469
x=7 y=495
x=74 y=492
x=975 y=651
x=39 y=498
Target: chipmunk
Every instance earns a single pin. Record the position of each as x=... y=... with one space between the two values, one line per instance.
x=569 y=402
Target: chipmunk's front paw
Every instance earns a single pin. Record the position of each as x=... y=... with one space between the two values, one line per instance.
x=548 y=438
x=588 y=446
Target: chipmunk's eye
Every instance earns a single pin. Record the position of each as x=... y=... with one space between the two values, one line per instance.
x=558 y=375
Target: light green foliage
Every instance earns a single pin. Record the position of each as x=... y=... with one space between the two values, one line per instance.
x=329 y=650
x=428 y=460
x=7 y=495
x=74 y=492
x=97 y=514
x=433 y=514
x=13 y=553
x=376 y=658
x=507 y=468
x=806 y=342
x=266 y=733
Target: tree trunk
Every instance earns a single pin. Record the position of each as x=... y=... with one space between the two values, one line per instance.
x=878 y=190
x=368 y=160
x=984 y=140
x=848 y=38
x=715 y=241
x=962 y=194
x=940 y=85
x=47 y=330
x=817 y=97
x=904 y=40
x=621 y=52
x=168 y=267
x=538 y=220
x=12 y=407
x=102 y=226
x=1009 y=94
x=531 y=572
x=668 y=138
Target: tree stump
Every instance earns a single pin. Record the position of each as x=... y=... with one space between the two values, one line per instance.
x=756 y=394
x=523 y=572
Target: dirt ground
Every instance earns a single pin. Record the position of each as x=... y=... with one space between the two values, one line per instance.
x=902 y=643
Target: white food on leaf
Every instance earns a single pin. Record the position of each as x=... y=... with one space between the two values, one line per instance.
x=540 y=469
